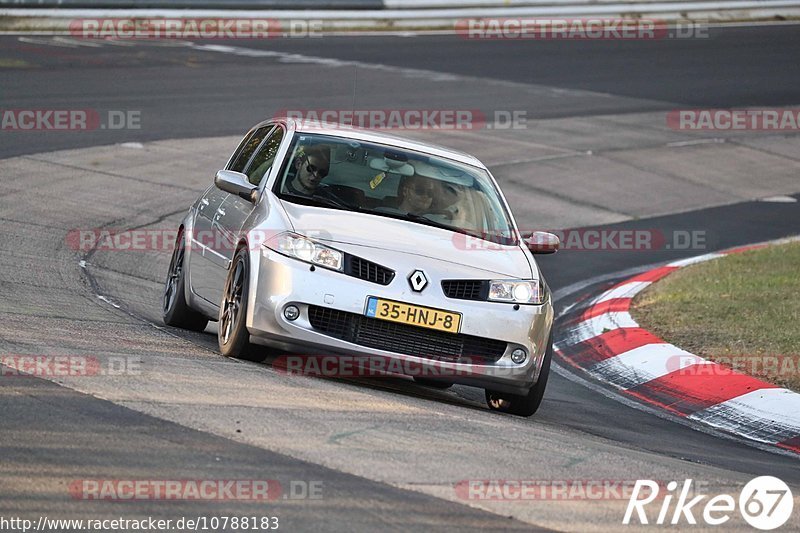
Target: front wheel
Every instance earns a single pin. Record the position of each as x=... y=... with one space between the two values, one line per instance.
x=174 y=309
x=233 y=337
x=523 y=404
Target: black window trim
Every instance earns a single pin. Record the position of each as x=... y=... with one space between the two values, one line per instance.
x=261 y=145
x=247 y=137
x=258 y=148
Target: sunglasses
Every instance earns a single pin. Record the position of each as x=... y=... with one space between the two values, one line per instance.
x=312 y=169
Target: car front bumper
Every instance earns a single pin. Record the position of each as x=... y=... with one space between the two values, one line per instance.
x=278 y=281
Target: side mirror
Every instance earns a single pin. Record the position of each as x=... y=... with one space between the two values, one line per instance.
x=542 y=242
x=236 y=183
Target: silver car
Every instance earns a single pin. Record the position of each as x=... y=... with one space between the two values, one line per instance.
x=321 y=239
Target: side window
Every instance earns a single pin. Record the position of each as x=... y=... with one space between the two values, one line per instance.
x=264 y=158
x=246 y=149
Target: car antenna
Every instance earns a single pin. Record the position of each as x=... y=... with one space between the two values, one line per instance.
x=355 y=80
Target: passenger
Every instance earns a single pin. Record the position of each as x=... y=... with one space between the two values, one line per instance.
x=461 y=206
x=416 y=194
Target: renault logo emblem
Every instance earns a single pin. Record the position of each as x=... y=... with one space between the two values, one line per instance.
x=417 y=280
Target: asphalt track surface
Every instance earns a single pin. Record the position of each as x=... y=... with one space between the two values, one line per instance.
x=52 y=435
x=183 y=93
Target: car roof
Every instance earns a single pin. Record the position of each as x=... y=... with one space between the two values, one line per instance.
x=367 y=135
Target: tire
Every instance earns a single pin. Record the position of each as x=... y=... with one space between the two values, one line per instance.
x=233 y=337
x=523 y=404
x=433 y=383
x=174 y=309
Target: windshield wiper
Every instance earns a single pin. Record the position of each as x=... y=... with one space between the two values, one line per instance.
x=324 y=201
x=422 y=219
x=430 y=222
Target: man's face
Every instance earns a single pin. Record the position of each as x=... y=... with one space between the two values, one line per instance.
x=419 y=195
x=311 y=172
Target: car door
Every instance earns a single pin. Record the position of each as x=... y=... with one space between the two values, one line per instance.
x=234 y=210
x=209 y=265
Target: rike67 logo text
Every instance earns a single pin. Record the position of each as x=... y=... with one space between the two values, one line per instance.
x=765 y=503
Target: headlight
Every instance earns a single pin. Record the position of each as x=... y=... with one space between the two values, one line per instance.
x=517 y=291
x=305 y=249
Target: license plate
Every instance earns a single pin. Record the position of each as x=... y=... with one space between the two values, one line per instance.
x=415 y=315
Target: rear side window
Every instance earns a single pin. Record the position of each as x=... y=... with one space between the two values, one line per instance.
x=247 y=148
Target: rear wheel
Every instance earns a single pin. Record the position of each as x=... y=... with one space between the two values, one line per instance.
x=523 y=404
x=174 y=309
x=233 y=337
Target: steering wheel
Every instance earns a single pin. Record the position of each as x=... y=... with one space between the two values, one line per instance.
x=326 y=191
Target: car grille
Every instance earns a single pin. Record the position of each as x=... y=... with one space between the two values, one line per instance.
x=405 y=339
x=367 y=270
x=466 y=289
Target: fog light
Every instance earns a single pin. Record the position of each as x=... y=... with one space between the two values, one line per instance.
x=518 y=355
x=291 y=312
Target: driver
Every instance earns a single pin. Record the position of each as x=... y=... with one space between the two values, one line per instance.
x=312 y=166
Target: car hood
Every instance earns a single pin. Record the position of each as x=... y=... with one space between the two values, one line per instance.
x=384 y=233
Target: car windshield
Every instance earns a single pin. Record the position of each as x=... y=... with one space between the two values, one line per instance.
x=341 y=173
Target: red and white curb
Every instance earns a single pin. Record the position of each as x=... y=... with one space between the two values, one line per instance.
x=600 y=337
